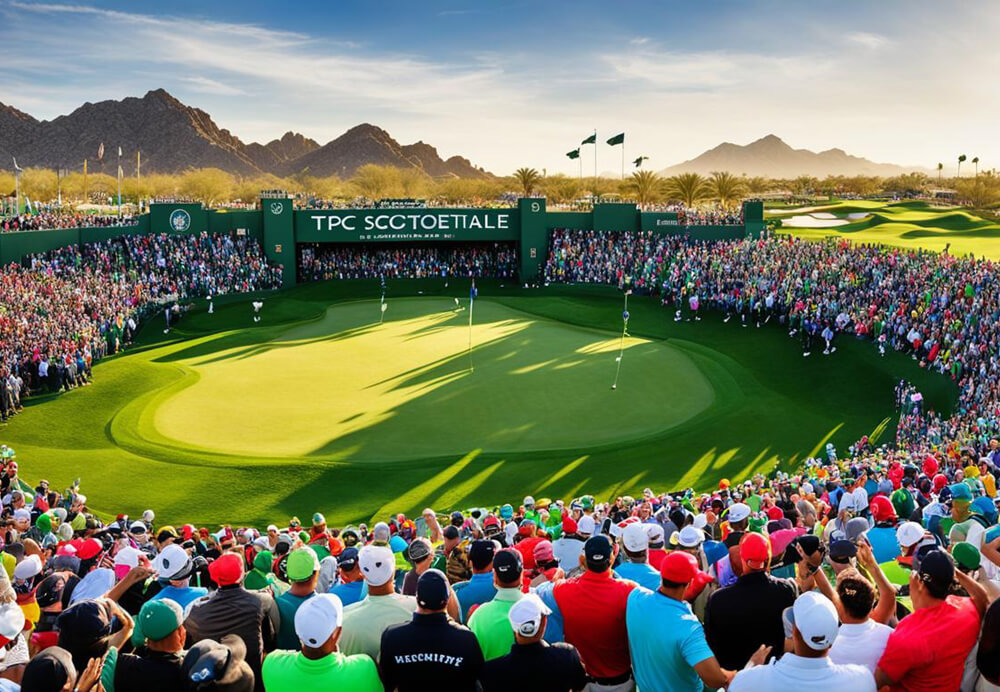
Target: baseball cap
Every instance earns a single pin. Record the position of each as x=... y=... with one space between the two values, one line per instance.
x=842 y=550
x=738 y=512
x=418 y=550
x=137 y=527
x=908 y=533
x=302 y=564
x=226 y=570
x=936 y=570
x=688 y=537
x=348 y=559
x=378 y=565
x=815 y=618
x=882 y=509
x=90 y=547
x=526 y=615
x=380 y=533
x=679 y=567
x=173 y=563
x=508 y=565
x=84 y=623
x=49 y=670
x=967 y=556
x=218 y=665
x=598 y=551
x=318 y=618
x=542 y=552
x=634 y=538
x=586 y=525
x=157 y=619
x=481 y=553
x=432 y=590
x=50 y=591
x=28 y=567
x=960 y=491
x=756 y=549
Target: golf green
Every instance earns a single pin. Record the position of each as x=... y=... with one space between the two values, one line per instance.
x=347 y=388
x=320 y=408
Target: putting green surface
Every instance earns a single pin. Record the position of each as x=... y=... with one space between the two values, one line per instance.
x=319 y=408
x=345 y=388
x=908 y=224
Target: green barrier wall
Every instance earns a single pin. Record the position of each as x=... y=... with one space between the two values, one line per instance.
x=279 y=228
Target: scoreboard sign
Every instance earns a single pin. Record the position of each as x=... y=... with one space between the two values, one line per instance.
x=378 y=225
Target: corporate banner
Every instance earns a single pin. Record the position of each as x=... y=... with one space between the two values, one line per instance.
x=378 y=225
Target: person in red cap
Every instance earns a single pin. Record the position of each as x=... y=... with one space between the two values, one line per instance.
x=250 y=615
x=527 y=539
x=882 y=536
x=747 y=614
x=546 y=567
x=666 y=642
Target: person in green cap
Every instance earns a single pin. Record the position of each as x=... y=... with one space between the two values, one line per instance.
x=159 y=640
x=302 y=568
x=261 y=577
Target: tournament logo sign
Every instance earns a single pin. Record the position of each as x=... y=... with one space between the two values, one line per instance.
x=277 y=208
x=180 y=220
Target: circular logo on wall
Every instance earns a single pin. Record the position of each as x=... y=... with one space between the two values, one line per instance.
x=276 y=208
x=180 y=220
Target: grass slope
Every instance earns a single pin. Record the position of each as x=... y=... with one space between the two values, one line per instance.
x=766 y=403
x=909 y=224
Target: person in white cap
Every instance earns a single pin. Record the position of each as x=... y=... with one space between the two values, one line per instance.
x=811 y=624
x=174 y=568
x=738 y=516
x=635 y=541
x=319 y=665
x=532 y=663
x=366 y=620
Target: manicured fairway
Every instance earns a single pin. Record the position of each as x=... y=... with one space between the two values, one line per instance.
x=318 y=408
x=910 y=224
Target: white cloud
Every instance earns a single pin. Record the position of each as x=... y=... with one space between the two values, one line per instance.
x=639 y=41
x=210 y=86
x=868 y=40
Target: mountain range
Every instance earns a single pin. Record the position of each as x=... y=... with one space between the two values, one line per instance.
x=173 y=137
x=770 y=156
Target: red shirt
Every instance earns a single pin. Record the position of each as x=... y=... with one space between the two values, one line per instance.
x=593 y=611
x=927 y=651
x=527 y=550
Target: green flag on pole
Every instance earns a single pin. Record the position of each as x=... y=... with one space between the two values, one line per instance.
x=590 y=140
x=575 y=154
x=617 y=139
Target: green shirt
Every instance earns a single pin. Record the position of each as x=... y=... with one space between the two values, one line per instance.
x=490 y=624
x=290 y=671
x=288 y=605
x=366 y=620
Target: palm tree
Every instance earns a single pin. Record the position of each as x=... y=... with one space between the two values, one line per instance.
x=960 y=160
x=726 y=187
x=757 y=185
x=646 y=185
x=528 y=179
x=976 y=162
x=689 y=188
x=940 y=168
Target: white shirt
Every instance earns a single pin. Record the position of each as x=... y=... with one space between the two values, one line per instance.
x=567 y=551
x=855 y=501
x=793 y=672
x=862 y=644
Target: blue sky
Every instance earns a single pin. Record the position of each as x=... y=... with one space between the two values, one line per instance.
x=520 y=83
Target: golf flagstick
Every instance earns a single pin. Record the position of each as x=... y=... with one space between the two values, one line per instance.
x=621 y=348
x=472 y=299
x=382 y=306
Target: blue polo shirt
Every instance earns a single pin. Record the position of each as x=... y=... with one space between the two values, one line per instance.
x=477 y=590
x=554 y=623
x=351 y=592
x=666 y=642
x=183 y=596
x=641 y=573
x=885 y=547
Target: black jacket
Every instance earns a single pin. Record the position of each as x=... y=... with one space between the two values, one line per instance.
x=431 y=652
x=541 y=666
x=741 y=617
x=149 y=671
x=251 y=615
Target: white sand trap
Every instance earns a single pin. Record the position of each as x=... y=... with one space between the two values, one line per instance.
x=823 y=215
x=807 y=221
x=855 y=216
x=796 y=210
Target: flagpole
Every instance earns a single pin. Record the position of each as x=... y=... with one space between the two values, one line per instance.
x=621 y=348
x=472 y=300
x=85 y=181
x=119 y=182
x=623 y=160
x=595 y=165
x=382 y=306
x=138 y=178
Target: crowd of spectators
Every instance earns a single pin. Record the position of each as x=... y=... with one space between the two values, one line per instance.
x=715 y=215
x=322 y=262
x=48 y=220
x=877 y=570
x=62 y=310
